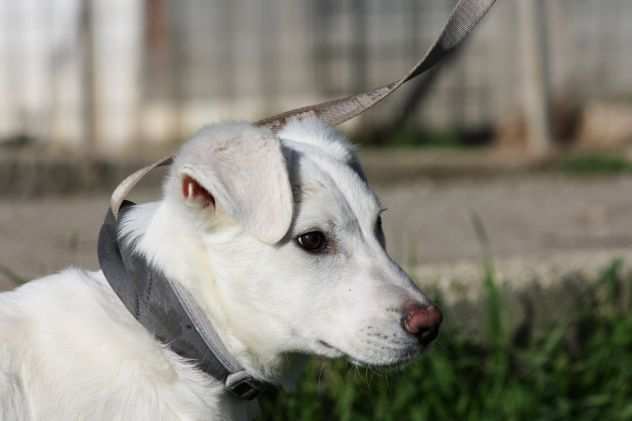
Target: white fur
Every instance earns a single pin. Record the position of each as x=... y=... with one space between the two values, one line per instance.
x=69 y=350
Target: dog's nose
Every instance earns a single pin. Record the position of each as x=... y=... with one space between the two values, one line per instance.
x=422 y=321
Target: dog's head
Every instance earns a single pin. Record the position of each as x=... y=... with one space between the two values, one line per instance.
x=279 y=235
x=290 y=234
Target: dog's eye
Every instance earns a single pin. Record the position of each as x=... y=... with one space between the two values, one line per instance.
x=379 y=232
x=313 y=241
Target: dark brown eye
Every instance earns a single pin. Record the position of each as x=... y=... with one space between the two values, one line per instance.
x=313 y=241
x=379 y=232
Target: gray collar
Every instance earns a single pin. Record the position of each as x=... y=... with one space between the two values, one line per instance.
x=168 y=311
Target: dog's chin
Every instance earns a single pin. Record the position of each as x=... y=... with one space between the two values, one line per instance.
x=378 y=361
x=385 y=364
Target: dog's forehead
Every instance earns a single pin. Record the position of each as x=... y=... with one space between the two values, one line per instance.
x=313 y=133
x=326 y=167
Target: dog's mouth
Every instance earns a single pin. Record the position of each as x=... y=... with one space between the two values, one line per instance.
x=401 y=360
x=332 y=349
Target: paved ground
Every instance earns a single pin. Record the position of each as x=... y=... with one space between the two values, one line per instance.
x=428 y=223
x=523 y=216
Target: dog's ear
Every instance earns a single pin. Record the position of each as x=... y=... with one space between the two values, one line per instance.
x=241 y=169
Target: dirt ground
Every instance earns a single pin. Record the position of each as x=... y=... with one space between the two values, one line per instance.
x=427 y=222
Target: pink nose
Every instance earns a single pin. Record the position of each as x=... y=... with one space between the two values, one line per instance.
x=423 y=322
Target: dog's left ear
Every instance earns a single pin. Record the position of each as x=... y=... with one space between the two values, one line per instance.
x=241 y=169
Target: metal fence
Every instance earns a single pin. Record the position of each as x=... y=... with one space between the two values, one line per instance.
x=110 y=74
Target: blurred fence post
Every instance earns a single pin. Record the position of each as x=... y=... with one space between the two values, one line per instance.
x=359 y=54
x=535 y=75
x=88 y=84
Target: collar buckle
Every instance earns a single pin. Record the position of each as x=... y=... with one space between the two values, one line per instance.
x=242 y=385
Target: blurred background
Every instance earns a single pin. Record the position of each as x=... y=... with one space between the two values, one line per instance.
x=507 y=170
x=110 y=76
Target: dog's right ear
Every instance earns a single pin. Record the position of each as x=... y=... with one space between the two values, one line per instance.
x=241 y=169
x=196 y=195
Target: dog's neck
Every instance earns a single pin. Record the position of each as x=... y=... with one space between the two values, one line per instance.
x=165 y=235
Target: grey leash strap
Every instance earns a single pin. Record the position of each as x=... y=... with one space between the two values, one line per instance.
x=122 y=190
x=464 y=17
x=462 y=20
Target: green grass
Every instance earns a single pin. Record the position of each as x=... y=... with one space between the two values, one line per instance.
x=6 y=272
x=596 y=163
x=428 y=138
x=444 y=139
x=580 y=369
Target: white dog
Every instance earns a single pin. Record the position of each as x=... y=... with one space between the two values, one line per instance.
x=278 y=238
x=266 y=245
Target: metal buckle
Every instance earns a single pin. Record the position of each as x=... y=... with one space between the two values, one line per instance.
x=242 y=385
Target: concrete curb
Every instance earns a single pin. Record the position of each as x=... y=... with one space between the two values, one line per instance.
x=463 y=280
x=33 y=172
